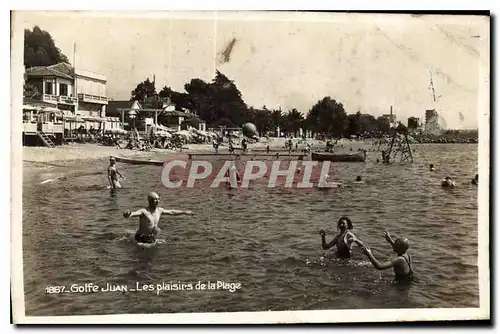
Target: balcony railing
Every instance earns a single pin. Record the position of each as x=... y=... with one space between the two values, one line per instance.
x=50 y=98
x=59 y=99
x=93 y=98
x=67 y=99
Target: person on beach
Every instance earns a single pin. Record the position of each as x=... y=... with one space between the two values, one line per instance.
x=402 y=264
x=475 y=180
x=113 y=174
x=244 y=144
x=215 y=144
x=342 y=241
x=149 y=218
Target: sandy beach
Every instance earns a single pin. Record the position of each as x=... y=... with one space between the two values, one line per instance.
x=75 y=152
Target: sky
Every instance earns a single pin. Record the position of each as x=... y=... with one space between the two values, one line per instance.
x=368 y=62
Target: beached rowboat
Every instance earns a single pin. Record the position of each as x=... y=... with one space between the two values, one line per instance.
x=336 y=157
x=139 y=162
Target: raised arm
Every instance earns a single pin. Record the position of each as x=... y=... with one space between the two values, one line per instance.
x=129 y=214
x=376 y=263
x=175 y=212
x=387 y=237
x=324 y=244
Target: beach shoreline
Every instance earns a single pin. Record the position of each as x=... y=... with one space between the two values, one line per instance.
x=78 y=152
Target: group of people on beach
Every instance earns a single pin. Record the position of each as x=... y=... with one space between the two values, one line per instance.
x=342 y=244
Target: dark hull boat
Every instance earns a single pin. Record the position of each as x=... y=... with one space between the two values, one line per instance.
x=139 y=162
x=336 y=157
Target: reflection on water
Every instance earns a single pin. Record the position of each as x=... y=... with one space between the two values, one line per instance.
x=266 y=239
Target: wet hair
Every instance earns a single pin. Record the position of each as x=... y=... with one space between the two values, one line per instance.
x=431 y=165
x=348 y=220
x=358 y=178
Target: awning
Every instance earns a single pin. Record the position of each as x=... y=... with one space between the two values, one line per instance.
x=93 y=119
x=76 y=119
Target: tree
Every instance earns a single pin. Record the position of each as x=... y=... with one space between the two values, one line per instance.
x=293 y=121
x=277 y=118
x=40 y=49
x=181 y=100
x=328 y=116
x=143 y=90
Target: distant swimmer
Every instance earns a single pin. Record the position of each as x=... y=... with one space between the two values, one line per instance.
x=475 y=180
x=232 y=171
x=448 y=183
x=113 y=174
x=343 y=241
x=432 y=168
x=323 y=183
x=359 y=180
x=402 y=264
x=149 y=217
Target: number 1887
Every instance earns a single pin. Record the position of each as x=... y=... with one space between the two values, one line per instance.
x=55 y=289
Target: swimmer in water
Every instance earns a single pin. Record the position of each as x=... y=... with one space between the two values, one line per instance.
x=149 y=217
x=448 y=183
x=402 y=264
x=432 y=168
x=343 y=241
x=358 y=179
x=475 y=180
x=234 y=172
x=113 y=174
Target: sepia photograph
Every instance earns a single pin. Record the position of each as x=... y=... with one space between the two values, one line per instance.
x=237 y=167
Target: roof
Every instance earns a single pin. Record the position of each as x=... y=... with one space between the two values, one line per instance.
x=113 y=107
x=61 y=70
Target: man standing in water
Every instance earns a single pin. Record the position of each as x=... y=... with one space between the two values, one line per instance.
x=113 y=174
x=149 y=217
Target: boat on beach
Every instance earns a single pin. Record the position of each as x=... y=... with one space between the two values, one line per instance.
x=138 y=162
x=338 y=157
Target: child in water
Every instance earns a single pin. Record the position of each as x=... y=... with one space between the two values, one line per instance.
x=343 y=240
x=402 y=264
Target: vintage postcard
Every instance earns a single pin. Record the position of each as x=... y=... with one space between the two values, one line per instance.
x=249 y=167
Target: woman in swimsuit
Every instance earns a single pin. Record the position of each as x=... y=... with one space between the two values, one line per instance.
x=342 y=240
x=402 y=264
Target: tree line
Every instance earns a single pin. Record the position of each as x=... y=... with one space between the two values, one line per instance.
x=219 y=103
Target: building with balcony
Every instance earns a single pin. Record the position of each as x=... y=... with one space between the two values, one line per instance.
x=91 y=92
x=76 y=98
x=52 y=84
